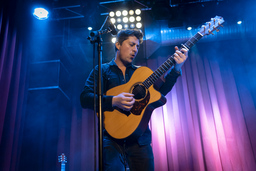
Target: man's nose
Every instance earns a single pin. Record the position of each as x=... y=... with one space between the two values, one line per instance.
x=135 y=49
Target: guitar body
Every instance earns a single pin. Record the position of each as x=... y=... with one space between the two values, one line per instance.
x=122 y=124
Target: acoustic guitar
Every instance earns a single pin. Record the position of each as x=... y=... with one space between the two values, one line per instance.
x=121 y=124
x=63 y=160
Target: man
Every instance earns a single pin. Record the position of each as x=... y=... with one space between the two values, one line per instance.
x=137 y=153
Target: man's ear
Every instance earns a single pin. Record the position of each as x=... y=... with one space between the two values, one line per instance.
x=117 y=45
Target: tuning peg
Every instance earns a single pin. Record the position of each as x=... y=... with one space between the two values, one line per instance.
x=220 y=24
x=217 y=30
x=213 y=19
x=210 y=32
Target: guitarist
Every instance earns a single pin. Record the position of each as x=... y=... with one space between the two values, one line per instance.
x=136 y=153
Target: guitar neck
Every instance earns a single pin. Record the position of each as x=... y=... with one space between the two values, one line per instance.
x=170 y=62
x=62 y=166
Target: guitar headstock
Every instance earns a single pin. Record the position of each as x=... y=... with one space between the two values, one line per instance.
x=212 y=25
x=62 y=158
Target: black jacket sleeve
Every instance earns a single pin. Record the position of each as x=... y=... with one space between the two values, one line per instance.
x=170 y=80
x=87 y=95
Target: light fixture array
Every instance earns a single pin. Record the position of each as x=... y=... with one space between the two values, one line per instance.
x=126 y=19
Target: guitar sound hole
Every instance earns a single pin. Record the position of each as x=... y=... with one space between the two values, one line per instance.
x=139 y=91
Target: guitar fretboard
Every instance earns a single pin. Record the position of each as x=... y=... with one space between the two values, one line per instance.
x=170 y=62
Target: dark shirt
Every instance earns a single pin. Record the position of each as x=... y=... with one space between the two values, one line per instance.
x=112 y=77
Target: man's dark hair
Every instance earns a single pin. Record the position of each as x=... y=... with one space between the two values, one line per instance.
x=125 y=34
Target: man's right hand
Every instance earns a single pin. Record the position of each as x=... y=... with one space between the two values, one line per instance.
x=123 y=101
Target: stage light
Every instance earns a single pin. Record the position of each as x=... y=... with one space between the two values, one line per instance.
x=132 y=25
x=138 y=11
x=89 y=28
x=126 y=26
x=131 y=19
x=119 y=20
x=138 y=25
x=125 y=12
x=113 y=40
x=119 y=26
x=189 y=28
x=239 y=22
x=111 y=14
x=138 y=18
x=125 y=19
x=118 y=13
x=131 y=12
x=41 y=13
x=113 y=20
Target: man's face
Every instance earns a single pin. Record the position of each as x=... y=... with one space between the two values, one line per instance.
x=128 y=50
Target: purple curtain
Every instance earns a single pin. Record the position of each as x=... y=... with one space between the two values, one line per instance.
x=12 y=86
x=208 y=122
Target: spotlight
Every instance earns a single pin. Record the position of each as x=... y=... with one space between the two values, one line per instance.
x=118 y=13
x=125 y=13
x=125 y=19
x=41 y=13
x=189 y=28
x=113 y=40
x=113 y=20
x=126 y=26
x=138 y=25
x=137 y=11
x=131 y=12
x=132 y=25
x=239 y=22
x=111 y=14
x=138 y=18
x=119 y=20
x=119 y=26
x=89 y=28
x=131 y=19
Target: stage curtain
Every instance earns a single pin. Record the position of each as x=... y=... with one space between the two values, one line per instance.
x=13 y=71
x=208 y=122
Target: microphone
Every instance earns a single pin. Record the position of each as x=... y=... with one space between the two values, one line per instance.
x=112 y=28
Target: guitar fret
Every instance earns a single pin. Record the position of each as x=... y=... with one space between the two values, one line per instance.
x=168 y=65
x=146 y=83
x=170 y=62
x=155 y=77
x=162 y=70
x=158 y=74
x=165 y=67
x=152 y=77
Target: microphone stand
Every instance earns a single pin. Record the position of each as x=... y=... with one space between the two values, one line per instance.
x=95 y=37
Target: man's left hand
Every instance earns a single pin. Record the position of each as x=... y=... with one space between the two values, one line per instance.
x=180 y=57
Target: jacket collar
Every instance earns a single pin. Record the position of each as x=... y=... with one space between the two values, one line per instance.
x=113 y=63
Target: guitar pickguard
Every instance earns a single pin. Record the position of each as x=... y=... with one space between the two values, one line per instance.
x=140 y=105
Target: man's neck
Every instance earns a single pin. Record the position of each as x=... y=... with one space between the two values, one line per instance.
x=120 y=64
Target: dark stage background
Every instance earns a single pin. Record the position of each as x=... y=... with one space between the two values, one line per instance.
x=208 y=122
